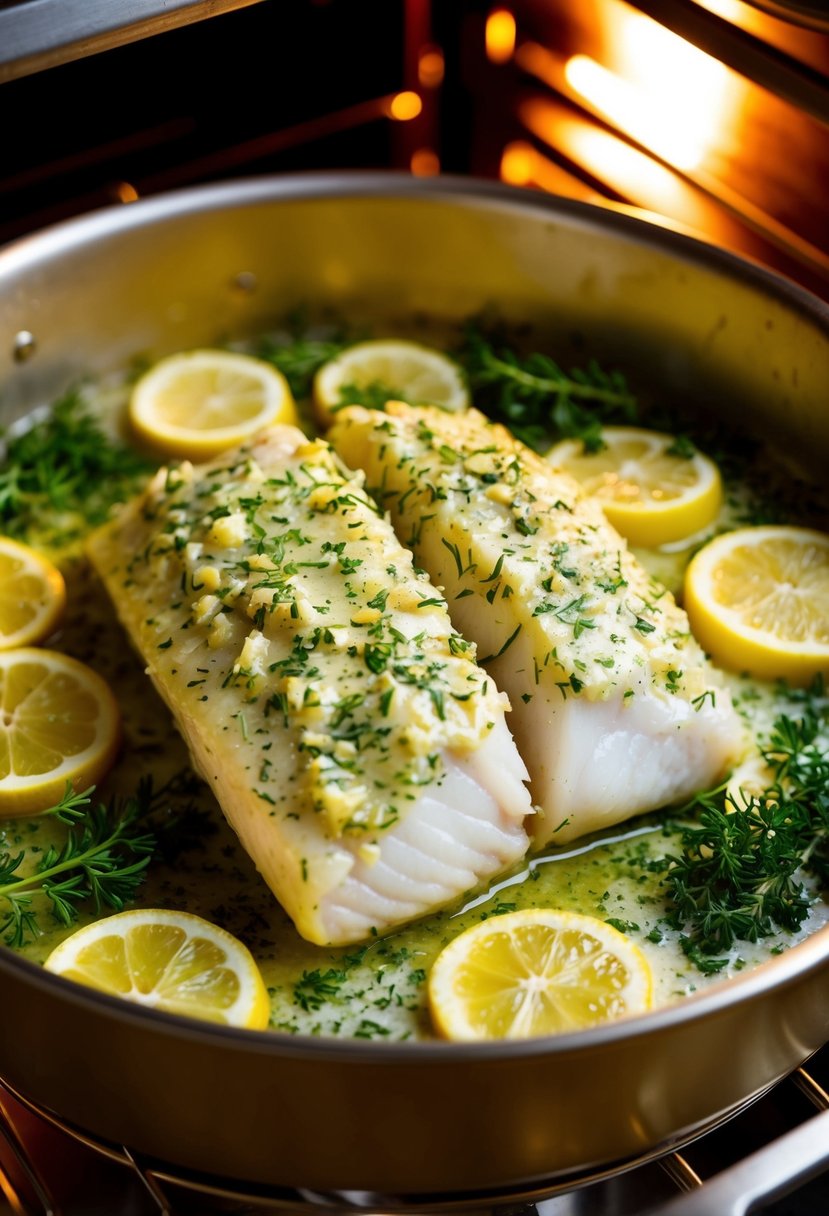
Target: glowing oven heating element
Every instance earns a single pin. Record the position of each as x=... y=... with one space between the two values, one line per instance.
x=711 y=116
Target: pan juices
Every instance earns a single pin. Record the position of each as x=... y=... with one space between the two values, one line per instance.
x=354 y=744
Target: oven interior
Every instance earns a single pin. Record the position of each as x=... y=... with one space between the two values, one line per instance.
x=710 y=115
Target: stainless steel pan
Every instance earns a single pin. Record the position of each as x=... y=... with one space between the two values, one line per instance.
x=410 y=1120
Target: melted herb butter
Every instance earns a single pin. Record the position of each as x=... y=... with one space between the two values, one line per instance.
x=594 y=618
x=274 y=590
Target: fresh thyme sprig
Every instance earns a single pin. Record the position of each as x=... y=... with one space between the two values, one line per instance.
x=538 y=400
x=64 y=466
x=739 y=875
x=101 y=861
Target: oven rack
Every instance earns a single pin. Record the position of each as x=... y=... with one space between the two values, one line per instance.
x=781 y=1142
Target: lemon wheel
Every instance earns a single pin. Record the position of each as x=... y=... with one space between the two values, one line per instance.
x=649 y=494
x=394 y=368
x=59 y=723
x=534 y=972
x=32 y=595
x=199 y=403
x=168 y=960
x=758 y=601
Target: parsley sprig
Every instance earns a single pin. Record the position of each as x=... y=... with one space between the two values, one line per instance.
x=101 y=861
x=537 y=399
x=740 y=873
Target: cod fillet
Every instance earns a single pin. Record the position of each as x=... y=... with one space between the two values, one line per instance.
x=616 y=710
x=355 y=746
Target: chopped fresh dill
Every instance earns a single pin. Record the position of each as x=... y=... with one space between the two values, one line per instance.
x=373 y=396
x=299 y=359
x=100 y=862
x=314 y=988
x=63 y=474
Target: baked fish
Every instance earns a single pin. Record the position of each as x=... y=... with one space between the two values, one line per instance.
x=615 y=708
x=355 y=746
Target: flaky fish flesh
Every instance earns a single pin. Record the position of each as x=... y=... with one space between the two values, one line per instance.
x=354 y=744
x=615 y=708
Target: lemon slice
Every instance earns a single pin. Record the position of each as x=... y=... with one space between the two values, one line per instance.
x=648 y=494
x=59 y=722
x=535 y=972
x=200 y=402
x=758 y=601
x=167 y=960
x=32 y=595
x=418 y=374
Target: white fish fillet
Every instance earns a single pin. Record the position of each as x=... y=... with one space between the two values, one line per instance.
x=357 y=749
x=615 y=708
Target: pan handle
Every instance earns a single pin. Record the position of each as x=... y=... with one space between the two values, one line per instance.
x=775 y=1170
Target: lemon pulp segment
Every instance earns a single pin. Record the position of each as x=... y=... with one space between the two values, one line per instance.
x=758 y=601
x=199 y=403
x=418 y=374
x=536 y=972
x=59 y=723
x=648 y=493
x=32 y=595
x=168 y=960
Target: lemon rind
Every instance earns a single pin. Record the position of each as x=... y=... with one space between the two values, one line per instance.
x=31 y=795
x=447 y=1010
x=45 y=621
x=251 y=1010
x=723 y=633
x=653 y=524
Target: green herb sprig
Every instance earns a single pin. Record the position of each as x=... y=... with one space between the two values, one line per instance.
x=538 y=400
x=740 y=873
x=65 y=471
x=299 y=359
x=101 y=861
x=373 y=395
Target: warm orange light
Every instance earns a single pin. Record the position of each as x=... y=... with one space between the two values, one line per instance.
x=125 y=192
x=657 y=126
x=732 y=10
x=430 y=67
x=626 y=170
x=500 y=35
x=517 y=163
x=405 y=106
x=10 y=1195
x=670 y=96
x=425 y=163
x=630 y=173
x=544 y=174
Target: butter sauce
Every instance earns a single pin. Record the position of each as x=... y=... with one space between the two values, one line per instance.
x=376 y=990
